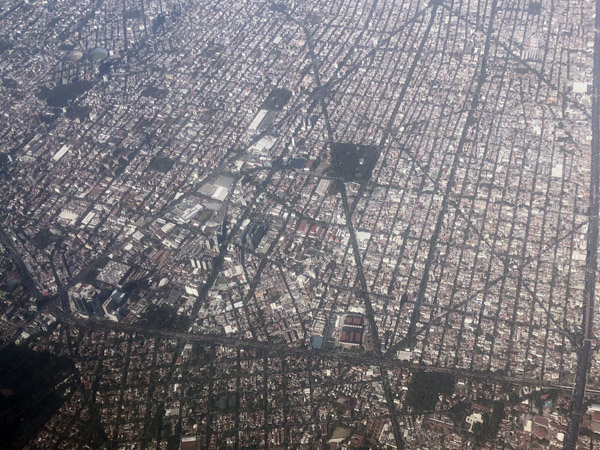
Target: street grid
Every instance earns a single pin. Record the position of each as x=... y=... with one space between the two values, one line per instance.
x=470 y=248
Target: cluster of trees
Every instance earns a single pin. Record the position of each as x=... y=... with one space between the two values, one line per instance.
x=425 y=389
x=163 y=318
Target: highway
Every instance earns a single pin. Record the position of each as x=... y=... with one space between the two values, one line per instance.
x=585 y=353
x=354 y=359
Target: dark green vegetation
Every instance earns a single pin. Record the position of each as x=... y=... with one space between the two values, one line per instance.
x=9 y=83
x=135 y=286
x=44 y=238
x=3 y=162
x=227 y=402
x=488 y=430
x=425 y=389
x=535 y=8
x=132 y=14
x=98 y=54
x=104 y=68
x=314 y=19
x=28 y=397
x=48 y=119
x=66 y=47
x=93 y=433
x=61 y=95
x=162 y=318
x=78 y=112
x=277 y=99
x=158 y=22
x=356 y=161
x=153 y=92
x=459 y=412
x=161 y=164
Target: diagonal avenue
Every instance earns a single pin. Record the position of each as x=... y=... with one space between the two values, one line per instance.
x=470 y=121
x=363 y=292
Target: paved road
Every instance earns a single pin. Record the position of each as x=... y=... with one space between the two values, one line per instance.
x=366 y=359
x=585 y=353
x=469 y=123
x=355 y=249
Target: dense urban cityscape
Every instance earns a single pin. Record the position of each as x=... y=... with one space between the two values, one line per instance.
x=299 y=224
